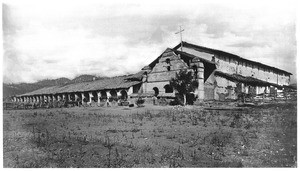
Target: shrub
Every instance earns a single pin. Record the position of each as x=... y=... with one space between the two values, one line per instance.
x=175 y=102
x=140 y=101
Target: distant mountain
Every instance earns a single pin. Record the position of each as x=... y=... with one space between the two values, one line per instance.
x=21 y=88
x=85 y=78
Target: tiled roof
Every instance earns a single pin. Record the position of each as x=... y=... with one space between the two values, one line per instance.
x=104 y=84
x=193 y=56
x=137 y=76
x=197 y=47
x=247 y=80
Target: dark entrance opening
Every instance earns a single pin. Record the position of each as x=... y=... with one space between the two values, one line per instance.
x=168 y=89
x=86 y=97
x=95 y=96
x=156 y=91
x=124 y=95
x=103 y=96
x=114 y=95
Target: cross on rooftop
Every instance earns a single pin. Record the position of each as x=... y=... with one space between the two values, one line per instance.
x=180 y=31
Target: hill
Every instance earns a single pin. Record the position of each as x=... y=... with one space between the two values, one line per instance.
x=21 y=88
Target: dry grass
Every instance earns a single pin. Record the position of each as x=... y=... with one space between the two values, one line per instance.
x=151 y=136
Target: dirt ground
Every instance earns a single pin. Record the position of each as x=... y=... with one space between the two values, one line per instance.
x=151 y=136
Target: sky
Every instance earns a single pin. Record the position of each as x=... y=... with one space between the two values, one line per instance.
x=52 y=39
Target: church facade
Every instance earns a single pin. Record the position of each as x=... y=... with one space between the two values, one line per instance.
x=220 y=76
x=218 y=73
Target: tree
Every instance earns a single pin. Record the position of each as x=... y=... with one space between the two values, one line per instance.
x=184 y=82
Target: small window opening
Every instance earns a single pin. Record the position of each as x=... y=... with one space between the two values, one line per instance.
x=168 y=68
x=213 y=59
x=168 y=60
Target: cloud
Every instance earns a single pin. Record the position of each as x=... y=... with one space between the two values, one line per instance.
x=50 y=40
x=246 y=44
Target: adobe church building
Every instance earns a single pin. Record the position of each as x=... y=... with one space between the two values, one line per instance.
x=220 y=76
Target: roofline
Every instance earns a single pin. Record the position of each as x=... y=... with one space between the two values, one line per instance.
x=193 y=56
x=258 y=81
x=75 y=91
x=230 y=54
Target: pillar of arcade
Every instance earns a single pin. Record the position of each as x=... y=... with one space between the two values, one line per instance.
x=61 y=97
x=108 y=94
x=49 y=98
x=91 y=97
x=37 y=100
x=45 y=98
x=119 y=95
x=69 y=97
x=76 y=97
x=53 y=98
x=82 y=98
x=41 y=98
x=99 y=97
x=64 y=97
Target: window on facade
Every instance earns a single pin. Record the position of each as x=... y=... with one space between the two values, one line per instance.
x=195 y=70
x=168 y=60
x=168 y=68
x=213 y=59
x=168 y=89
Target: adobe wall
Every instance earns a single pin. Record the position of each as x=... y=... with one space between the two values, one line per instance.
x=160 y=75
x=166 y=69
x=209 y=87
x=159 y=85
x=224 y=89
x=233 y=66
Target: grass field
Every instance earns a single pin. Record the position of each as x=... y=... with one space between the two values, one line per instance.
x=151 y=136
